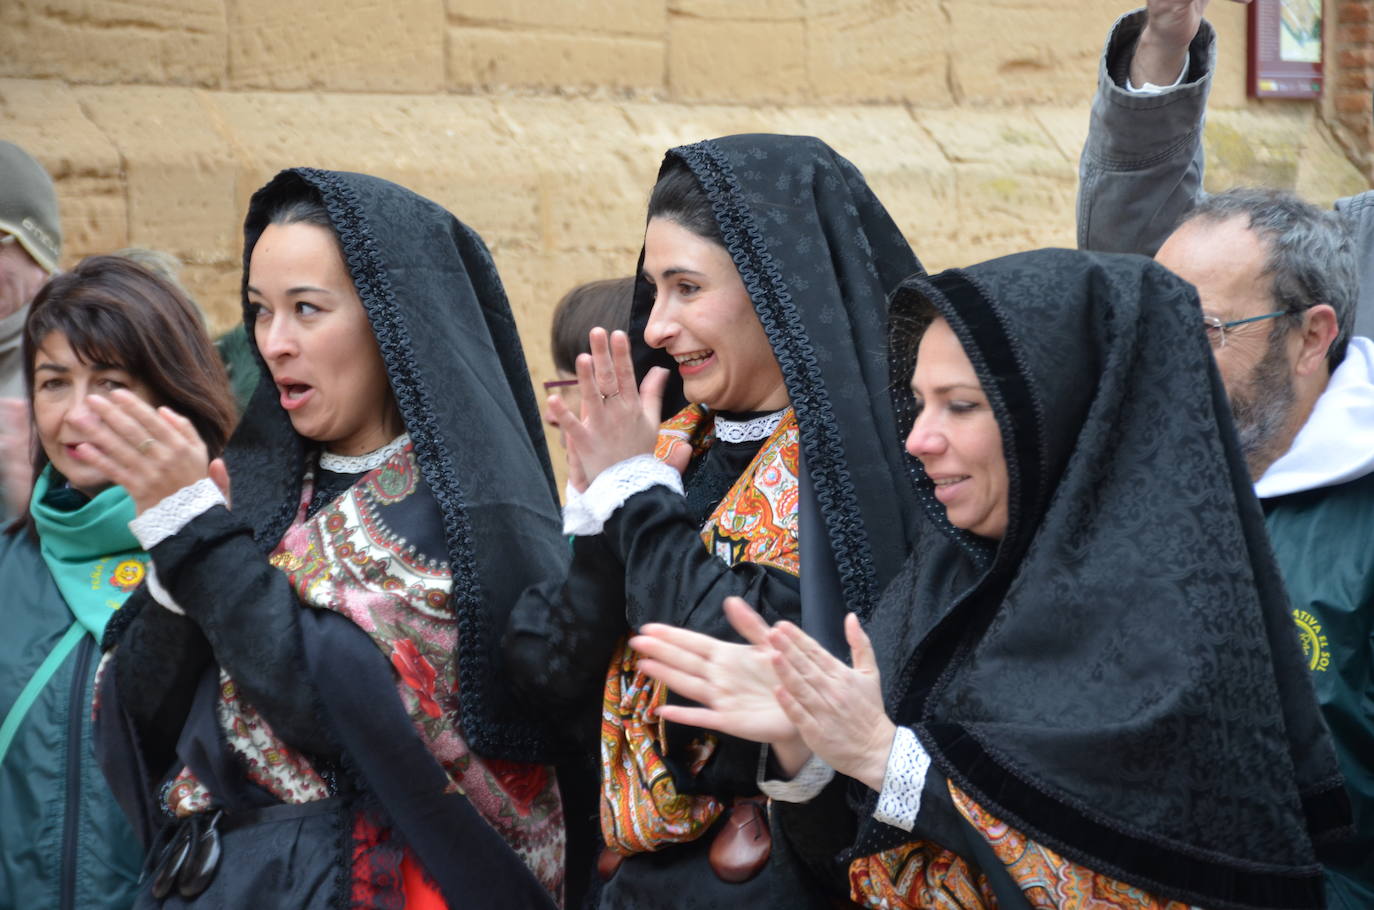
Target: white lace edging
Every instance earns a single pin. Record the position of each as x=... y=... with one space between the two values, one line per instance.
x=160 y=594
x=804 y=786
x=359 y=464
x=175 y=512
x=899 y=802
x=751 y=430
x=585 y=513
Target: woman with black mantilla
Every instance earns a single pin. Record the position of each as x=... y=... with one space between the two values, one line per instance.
x=322 y=686
x=1086 y=687
x=766 y=265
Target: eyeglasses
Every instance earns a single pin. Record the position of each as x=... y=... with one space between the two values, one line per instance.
x=1217 y=330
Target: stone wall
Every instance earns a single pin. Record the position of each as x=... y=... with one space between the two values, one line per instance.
x=542 y=122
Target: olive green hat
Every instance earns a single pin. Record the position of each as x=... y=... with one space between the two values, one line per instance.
x=28 y=206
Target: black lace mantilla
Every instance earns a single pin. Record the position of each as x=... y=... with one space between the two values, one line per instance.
x=457 y=371
x=1117 y=677
x=792 y=334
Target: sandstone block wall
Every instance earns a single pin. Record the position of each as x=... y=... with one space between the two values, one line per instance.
x=542 y=122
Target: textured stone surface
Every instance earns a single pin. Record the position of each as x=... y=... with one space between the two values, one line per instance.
x=1021 y=51
x=485 y=58
x=878 y=50
x=542 y=123
x=162 y=42
x=735 y=60
x=372 y=46
x=621 y=17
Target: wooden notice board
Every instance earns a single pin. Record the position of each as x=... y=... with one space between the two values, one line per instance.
x=1285 y=59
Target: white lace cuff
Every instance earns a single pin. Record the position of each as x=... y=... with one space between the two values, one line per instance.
x=160 y=594
x=585 y=514
x=805 y=786
x=175 y=512
x=899 y=802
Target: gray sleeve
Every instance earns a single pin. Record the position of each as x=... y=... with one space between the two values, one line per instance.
x=1359 y=211
x=1142 y=163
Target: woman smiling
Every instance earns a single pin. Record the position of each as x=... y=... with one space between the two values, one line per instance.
x=759 y=315
x=72 y=571
x=1082 y=690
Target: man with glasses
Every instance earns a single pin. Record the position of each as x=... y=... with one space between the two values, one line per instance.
x=1277 y=282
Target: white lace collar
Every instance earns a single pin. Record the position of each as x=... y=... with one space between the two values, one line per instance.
x=750 y=430
x=359 y=464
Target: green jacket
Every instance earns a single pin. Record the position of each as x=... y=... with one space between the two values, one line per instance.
x=1324 y=541
x=64 y=843
x=1318 y=500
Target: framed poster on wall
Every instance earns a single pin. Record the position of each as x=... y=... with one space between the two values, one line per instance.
x=1285 y=59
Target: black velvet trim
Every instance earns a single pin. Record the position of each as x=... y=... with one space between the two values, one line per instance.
x=1174 y=873
x=821 y=441
x=976 y=320
x=369 y=273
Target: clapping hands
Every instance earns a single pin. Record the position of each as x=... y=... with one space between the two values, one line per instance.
x=780 y=688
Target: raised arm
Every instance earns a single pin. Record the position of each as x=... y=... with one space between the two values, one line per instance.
x=1142 y=164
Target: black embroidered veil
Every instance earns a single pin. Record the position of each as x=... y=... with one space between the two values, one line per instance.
x=1119 y=677
x=457 y=370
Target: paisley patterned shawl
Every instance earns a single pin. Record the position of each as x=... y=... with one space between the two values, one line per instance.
x=756 y=521
x=350 y=559
x=1117 y=679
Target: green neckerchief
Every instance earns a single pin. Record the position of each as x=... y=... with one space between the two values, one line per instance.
x=89 y=549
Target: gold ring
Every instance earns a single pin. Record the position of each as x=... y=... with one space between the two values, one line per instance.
x=143 y=446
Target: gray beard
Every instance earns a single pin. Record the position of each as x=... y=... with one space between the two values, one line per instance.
x=1262 y=408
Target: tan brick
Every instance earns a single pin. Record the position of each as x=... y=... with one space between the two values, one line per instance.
x=395 y=46
x=495 y=58
x=724 y=60
x=752 y=10
x=457 y=151
x=165 y=42
x=178 y=171
x=215 y=289
x=1229 y=82
x=1016 y=52
x=878 y=50
x=1256 y=149
x=621 y=17
x=46 y=119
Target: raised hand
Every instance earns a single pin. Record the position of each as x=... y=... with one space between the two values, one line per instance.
x=618 y=419
x=150 y=452
x=734 y=683
x=1170 y=26
x=837 y=709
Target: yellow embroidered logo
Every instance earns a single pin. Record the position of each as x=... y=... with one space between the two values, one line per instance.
x=127 y=575
x=1313 y=641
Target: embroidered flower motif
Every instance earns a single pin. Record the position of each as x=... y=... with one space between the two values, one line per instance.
x=127 y=575
x=416 y=672
x=522 y=783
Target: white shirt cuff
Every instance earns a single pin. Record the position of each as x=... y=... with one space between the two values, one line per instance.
x=585 y=514
x=175 y=512
x=805 y=786
x=1150 y=88
x=899 y=802
x=160 y=594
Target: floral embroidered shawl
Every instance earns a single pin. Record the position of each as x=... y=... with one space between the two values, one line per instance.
x=349 y=560
x=756 y=521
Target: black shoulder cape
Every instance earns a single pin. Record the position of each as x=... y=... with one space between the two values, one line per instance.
x=457 y=370
x=1119 y=677
x=818 y=255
